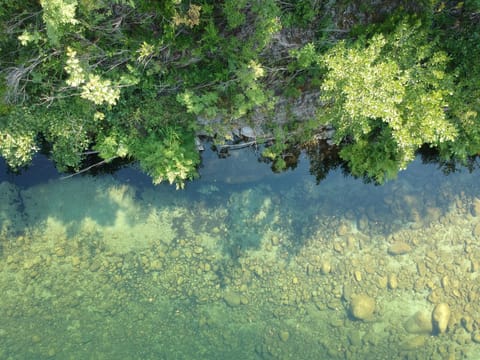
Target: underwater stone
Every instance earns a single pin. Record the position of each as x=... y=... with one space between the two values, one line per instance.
x=342 y=229
x=36 y=338
x=476 y=231
x=363 y=223
x=59 y=251
x=248 y=132
x=351 y=242
x=155 y=265
x=75 y=261
x=362 y=307
x=382 y=282
x=355 y=338
x=476 y=207
x=284 y=336
x=440 y=317
x=338 y=247
x=326 y=268
x=419 y=323
x=476 y=337
x=392 y=281
x=413 y=343
x=275 y=240
x=399 y=248
x=467 y=323
x=96 y=265
x=232 y=298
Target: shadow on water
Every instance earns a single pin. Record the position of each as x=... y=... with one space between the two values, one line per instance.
x=420 y=194
x=450 y=166
x=259 y=204
x=39 y=193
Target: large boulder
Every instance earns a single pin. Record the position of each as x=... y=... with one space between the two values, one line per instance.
x=441 y=317
x=362 y=307
x=419 y=323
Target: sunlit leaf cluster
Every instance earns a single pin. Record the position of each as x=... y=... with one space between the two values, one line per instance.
x=386 y=96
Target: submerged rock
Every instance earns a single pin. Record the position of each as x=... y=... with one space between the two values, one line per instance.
x=440 y=317
x=326 y=267
x=476 y=336
x=362 y=307
x=419 y=323
x=399 y=248
x=413 y=343
x=284 y=335
x=247 y=132
x=232 y=298
x=476 y=207
x=476 y=231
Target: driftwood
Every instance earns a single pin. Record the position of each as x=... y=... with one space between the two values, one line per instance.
x=88 y=168
x=242 y=145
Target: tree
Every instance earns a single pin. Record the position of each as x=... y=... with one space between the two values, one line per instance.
x=131 y=78
x=386 y=97
x=128 y=78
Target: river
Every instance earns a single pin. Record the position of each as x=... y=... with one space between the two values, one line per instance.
x=242 y=264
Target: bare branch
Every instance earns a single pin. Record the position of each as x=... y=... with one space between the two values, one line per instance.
x=16 y=80
x=88 y=168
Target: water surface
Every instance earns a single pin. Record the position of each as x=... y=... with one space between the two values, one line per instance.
x=243 y=264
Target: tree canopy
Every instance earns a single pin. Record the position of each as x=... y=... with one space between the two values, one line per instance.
x=138 y=79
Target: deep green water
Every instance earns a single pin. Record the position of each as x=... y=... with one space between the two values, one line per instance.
x=243 y=264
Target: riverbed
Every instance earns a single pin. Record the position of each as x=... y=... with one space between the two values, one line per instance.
x=242 y=264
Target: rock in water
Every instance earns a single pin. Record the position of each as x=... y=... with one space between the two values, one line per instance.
x=248 y=132
x=476 y=231
x=440 y=317
x=232 y=298
x=399 y=248
x=419 y=323
x=362 y=307
x=476 y=207
x=284 y=336
x=413 y=343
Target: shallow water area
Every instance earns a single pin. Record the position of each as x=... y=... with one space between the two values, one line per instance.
x=242 y=264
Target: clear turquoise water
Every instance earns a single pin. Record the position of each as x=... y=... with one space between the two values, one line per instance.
x=243 y=264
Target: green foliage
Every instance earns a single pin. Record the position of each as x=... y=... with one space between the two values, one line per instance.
x=305 y=57
x=112 y=145
x=153 y=132
x=375 y=157
x=227 y=81
x=204 y=105
x=169 y=155
x=129 y=78
x=17 y=137
x=459 y=30
x=65 y=125
x=251 y=94
x=300 y=12
x=393 y=85
x=58 y=15
x=277 y=150
x=233 y=12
